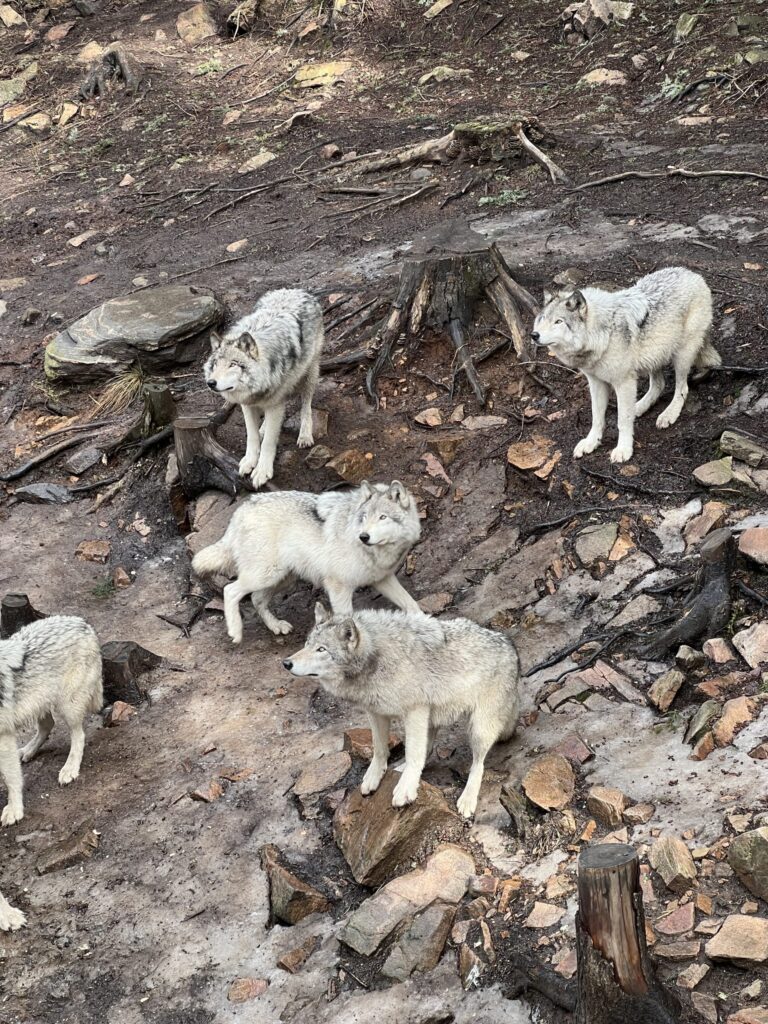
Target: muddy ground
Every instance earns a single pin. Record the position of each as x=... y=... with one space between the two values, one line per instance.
x=173 y=906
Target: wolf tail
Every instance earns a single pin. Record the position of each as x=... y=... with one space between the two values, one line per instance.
x=708 y=356
x=216 y=558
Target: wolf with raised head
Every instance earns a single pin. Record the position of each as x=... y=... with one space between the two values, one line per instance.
x=49 y=669
x=260 y=362
x=426 y=672
x=615 y=337
x=339 y=541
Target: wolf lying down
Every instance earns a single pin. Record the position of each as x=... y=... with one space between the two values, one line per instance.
x=425 y=671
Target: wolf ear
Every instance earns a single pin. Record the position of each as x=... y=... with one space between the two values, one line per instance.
x=350 y=634
x=321 y=614
x=216 y=341
x=247 y=343
x=397 y=492
x=548 y=296
x=365 y=490
x=576 y=303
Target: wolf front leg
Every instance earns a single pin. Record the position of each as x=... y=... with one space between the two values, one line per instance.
x=306 y=437
x=416 y=742
x=378 y=765
x=340 y=596
x=265 y=468
x=394 y=591
x=598 y=392
x=252 y=419
x=10 y=772
x=626 y=399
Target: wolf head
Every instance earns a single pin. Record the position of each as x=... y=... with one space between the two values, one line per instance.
x=330 y=649
x=386 y=514
x=236 y=368
x=561 y=325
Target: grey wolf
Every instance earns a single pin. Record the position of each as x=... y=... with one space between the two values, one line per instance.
x=338 y=541
x=10 y=917
x=614 y=337
x=425 y=671
x=49 y=669
x=260 y=362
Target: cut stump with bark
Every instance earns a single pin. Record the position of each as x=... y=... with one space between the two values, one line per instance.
x=449 y=271
x=615 y=978
x=203 y=463
x=16 y=611
x=123 y=661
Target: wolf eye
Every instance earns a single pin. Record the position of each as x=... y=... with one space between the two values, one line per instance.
x=383 y=517
x=320 y=650
x=558 y=321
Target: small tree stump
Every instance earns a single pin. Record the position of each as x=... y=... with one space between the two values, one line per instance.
x=123 y=661
x=616 y=982
x=203 y=463
x=449 y=270
x=16 y=611
x=159 y=408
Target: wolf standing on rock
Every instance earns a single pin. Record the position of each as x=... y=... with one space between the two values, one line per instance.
x=614 y=337
x=260 y=362
x=339 y=541
x=51 y=668
x=425 y=671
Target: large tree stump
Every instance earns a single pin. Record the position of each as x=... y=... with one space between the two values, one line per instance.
x=448 y=272
x=616 y=982
x=123 y=661
x=16 y=611
x=203 y=463
x=707 y=608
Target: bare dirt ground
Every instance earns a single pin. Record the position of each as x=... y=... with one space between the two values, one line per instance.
x=173 y=906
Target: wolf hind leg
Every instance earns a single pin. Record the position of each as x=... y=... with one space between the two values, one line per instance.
x=260 y=599
x=73 y=715
x=652 y=395
x=416 y=739
x=44 y=726
x=306 y=436
x=10 y=773
x=482 y=736
x=233 y=594
x=683 y=362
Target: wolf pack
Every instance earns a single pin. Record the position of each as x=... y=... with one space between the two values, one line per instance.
x=402 y=664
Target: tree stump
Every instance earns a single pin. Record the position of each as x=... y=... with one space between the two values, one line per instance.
x=448 y=272
x=16 y=611
x=498 y=137
x=123 y=661
x=616 y=982
x=203 y=463
x=707 y=608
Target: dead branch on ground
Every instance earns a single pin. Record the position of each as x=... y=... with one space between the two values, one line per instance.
x=671 y=172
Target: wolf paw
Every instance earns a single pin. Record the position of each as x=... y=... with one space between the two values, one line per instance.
x=260 y=476
x=236 y=638
x=371 y=780
x=585 y=446
x=305 y=440
x=27 y=752
x=11 y=919
x=405 y=792
x=666 y=419
x=281 y=627
x=11 y=815
x=247 y=465
x=621 y=453
x=67 y=775
x=466 y=805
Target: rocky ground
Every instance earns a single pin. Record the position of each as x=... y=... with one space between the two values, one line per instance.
x=223 y=811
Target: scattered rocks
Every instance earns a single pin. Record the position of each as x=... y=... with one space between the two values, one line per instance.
x=420 y=946
x=195 y=25
x=43 y=494
x=119 y=713
x=751 y=1015
x=378 y=840
x=596 y=542
x=544 y=915
x=483 y=422
x=574 y=748
x=80 y=846
x=706 y=714
x=352 y=465
x=741 y=940
x=703 y=747
x=434 y=604
x=666 y=688
x=676 y=951
x=255 y=163
x=673 y=861
x=93 y=551
x=290 y=899
x=691 y=976
x=529 y=454
x=10 y=18
x=322 y=774
x=744 y=448
x=603 y=76
x=237 y=246
x=638 y=814
x=311 y=76
x=676 y=922
x=754 y=544
x=717 y=473
x=243 y=989
x=686 y=23
x=12 y=88
x=752 y=643
x=445 y=876
x=706 y=1006
x=83 y=460
x=584 y=20
x=359 y=743
x=157 y=328
x=712 y=516
x=429 y=417
x=208 y=794
x=293 y=961
x=736 y=714
x=748 y=856
x=549 y=782
x=607 y=805
x=718 y=650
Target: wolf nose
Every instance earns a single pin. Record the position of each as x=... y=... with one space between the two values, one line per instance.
x=212 y=385
x=287 y=663
x=535 y=335
x=365 y=537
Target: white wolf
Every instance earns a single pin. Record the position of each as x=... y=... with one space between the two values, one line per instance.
x=51 y=668
x=427 y=672
x=260 y=362
x=613 y=337
x=339 y=541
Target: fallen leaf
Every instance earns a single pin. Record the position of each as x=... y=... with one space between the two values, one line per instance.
x=88 y=279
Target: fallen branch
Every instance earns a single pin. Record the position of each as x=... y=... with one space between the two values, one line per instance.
x=671 y=172
x=552 y=523
x=432 y=151
x=38 y=460
x=557 y=174
x=20 y=117
x=208 y=266
x=627 y=485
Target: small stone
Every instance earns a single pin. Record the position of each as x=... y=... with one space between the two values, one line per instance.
x=712 y=516
x=596 y=542
x=209 y=794
x=676 y=951
x=574 y=748
x=754 y=544
x=59 y=32
x=718 y=650
x=31 y=316
x=483 y=885
x=434 y=604
x=717 y=473
x=90 y=52
x=359 y=743
x=120 y=578
x=703 y=903
x=195 y=25
x=566 y=968
x=736 y=714
x=760 y=752
x=752 y=643
x=706 y=1006
x=749 y=907
x=420 y=946
x=706 y=714
x=10 y=18
x=243 y=989
x=351 y=466
x=703 y=747
x=293 y=961
x=544 y=915
x=83 y=460
x=322 y=774
x=330 y=151
x=677 y=922
x=741 y=940
x=43 y=494
x=256 y=162
x=753 y=1015
x=603 y=76
x=686 y=23
x=126 y=180
x=748 y=856
x=429 y=417
x=549 y=782
x=672 y=859
x=318 y=457
x=80 y=846
x=530 y=454
x=753 y=991
x=471 y=967
x=689 y=658
x=558 y=887
x=81 y=239
x=290 y=898
x=666 y=688
x=238 y=245
x=607 y=805
x=743 y=448
x=484 y=422
x=119 y=713
x=639 y=814
x=93 y=550
x=691 y=976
